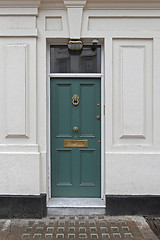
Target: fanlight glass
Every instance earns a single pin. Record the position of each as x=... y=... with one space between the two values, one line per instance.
x=88 y=61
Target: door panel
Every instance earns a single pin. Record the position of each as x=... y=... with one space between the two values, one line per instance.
x=75 y=169
x=87 y=110
x=63 y=111
x=87 y=161
x=63 y=167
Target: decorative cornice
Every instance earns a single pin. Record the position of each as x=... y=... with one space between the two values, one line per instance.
x=29 y=11
x=87 y=4
x=20 y=3
x=122 y=4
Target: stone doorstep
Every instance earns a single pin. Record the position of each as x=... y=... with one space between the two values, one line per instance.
x=75 y=206
x=75 y=211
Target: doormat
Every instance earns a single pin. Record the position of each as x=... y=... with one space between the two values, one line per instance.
x=154 y=223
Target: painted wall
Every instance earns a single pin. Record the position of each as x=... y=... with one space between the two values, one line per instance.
x=131 y=72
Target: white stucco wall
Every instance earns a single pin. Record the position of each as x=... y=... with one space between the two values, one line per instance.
x=131 y=71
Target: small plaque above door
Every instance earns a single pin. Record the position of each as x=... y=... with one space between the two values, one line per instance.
x=75 y=143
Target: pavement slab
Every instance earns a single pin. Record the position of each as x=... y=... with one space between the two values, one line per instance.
x=77 y=227
x=5 y=228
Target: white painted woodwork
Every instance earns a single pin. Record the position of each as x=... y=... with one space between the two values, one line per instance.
x=130 y=36
x=119 y=4
x=16 y=62
x=75 y=11
x=132 y=173
x=132 y=77
x=20 y=3
x=18 y=91
x=18 y=148
x=18 y=33
x=90 y=4
x=123 y=23
x=20 y=22
x=13 y=11
x=19 y=173
x=53 y=24
x=74 y=26
x=132 y=83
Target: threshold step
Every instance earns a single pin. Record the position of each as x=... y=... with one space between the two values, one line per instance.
x=76 y=206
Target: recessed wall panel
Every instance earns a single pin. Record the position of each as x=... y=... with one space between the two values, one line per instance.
x=122 y=23
x=53 y=23
x=16 y=90
x=17 y=22
x=132 y=88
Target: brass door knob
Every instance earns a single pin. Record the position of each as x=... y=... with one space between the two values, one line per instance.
x=75 y=129
x=98 y=117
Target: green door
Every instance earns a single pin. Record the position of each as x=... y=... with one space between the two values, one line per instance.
x=75 y=137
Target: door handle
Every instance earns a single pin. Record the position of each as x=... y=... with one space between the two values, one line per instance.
x=98 y=117
x=98 y=141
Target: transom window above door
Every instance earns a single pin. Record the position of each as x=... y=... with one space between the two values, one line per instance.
x=88 y=61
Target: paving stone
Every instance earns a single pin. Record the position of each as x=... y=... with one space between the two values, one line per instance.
x=103 y=229
x=64 y=227
x=71 y=229
x=93 y=229
x=72 y=223
x=128 y=235
x=5 y=228
x=51 y=223
x=37 y=235
x=31 y=223
x=50 y=229
x=105 y=235
x=100 y=217
x=48 y=235
x=71 y=236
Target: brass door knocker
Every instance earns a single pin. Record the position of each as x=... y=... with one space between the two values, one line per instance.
x=75 y=99
x=75 y=129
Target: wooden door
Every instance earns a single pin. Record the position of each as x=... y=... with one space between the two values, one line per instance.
x=75 y=137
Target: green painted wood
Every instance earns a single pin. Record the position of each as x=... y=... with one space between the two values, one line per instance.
x=75 y=172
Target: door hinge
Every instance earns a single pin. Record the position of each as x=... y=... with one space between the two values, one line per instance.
x=104 y=109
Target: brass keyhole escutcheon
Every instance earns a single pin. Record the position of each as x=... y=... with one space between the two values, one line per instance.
x=75 y=99
x=75 y=129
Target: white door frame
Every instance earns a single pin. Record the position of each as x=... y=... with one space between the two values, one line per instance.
x=77 y=75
